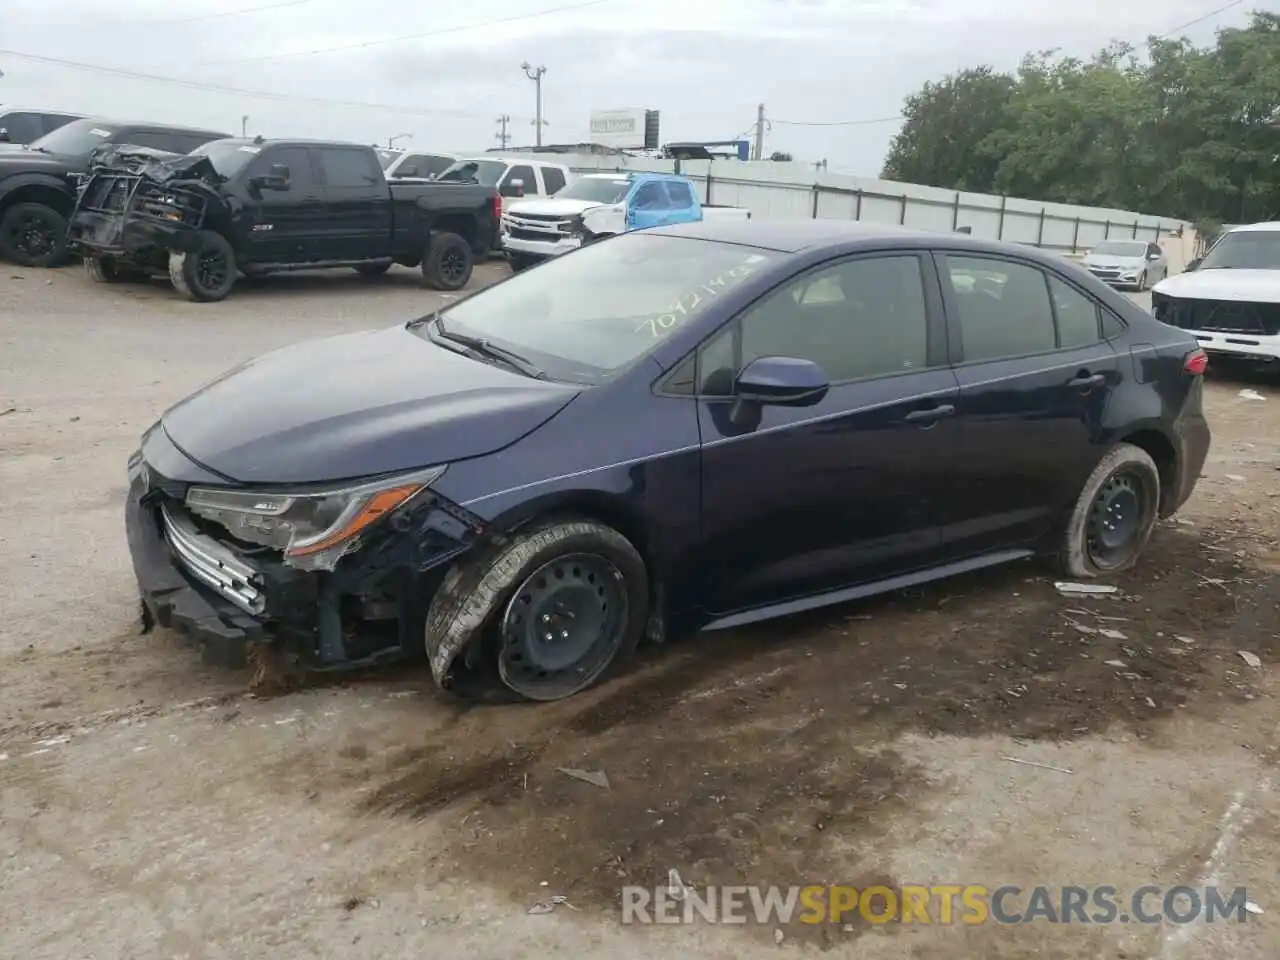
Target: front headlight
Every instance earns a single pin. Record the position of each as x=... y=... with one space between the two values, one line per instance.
x=313 y=529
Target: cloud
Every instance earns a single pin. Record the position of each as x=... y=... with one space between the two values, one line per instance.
x=704 y=65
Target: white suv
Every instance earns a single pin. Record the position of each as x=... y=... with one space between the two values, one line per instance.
x=515 y=177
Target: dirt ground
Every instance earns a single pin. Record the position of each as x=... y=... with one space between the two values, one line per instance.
x=150 y=808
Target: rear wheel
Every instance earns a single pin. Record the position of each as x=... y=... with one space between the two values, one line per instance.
x=1114 y=515
x=448 y=263
x=33 y=235
x=207 y=273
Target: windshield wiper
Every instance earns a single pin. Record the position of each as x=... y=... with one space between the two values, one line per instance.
x=486 y=348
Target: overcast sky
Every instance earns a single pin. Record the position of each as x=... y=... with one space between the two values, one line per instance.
x=704 y=64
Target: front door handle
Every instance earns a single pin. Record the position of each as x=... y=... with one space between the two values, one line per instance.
x=1084 y=380
x=931 y=414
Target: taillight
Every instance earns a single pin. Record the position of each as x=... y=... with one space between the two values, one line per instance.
x=497 y=207
x=1196 y=362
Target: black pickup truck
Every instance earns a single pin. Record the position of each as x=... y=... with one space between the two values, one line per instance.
x=38 y=181
x=265 y=206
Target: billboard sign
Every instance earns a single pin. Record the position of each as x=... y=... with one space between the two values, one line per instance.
x=623 y=129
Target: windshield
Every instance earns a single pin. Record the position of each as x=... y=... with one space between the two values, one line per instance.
x=595 y=189
x=387 y=157
x=228 y=157
x=584 y=315
x=79 y=138
x=1121 y=248
x=488 y=172
x=1244 y=250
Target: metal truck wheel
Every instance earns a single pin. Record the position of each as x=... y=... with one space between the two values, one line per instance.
x=33 y=235
x=207 y=273
x=448 y=263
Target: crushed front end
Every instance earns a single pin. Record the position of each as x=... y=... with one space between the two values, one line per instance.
x=351 y=589
x=137 y=205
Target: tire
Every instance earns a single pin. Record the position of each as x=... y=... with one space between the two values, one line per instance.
x=1122 y=492
x=448 y=262
x=573 y=562
x=101 y=269
x=520 y=262
x=33 y=235
x=1142 y=282
x=373 y=269
x=207 y=273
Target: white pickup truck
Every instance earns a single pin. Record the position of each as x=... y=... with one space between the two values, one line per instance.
x=599 y=205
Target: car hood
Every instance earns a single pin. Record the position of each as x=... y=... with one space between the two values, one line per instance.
x=552 y=207
x=19 y=160
x=356 y=405
x=1094 y=260
x=1251 y=286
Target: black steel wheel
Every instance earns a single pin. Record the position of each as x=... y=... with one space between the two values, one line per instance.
x=33 y=235
x=551 y=609
x=448 y=263
x=206 y=273
x=1114 y=515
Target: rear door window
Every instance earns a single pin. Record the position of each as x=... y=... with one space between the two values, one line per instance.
x=348 y=167
x=525 y=175
x=1077 y=315
x=680 y=194
x=1003 y=307
x=22 y=127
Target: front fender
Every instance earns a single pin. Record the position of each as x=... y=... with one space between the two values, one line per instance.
x=11 y=185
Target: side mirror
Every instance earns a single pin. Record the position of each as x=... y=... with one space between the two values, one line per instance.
x=513 y=188
x=1153 y=256
x=277 y=178
x=782 y=381
x=4 y=135
x=1192 y=264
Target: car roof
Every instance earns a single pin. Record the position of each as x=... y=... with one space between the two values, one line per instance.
x=793 y=236
x=511 y=160
x=1268 y=226
x=255 y=142
x=14 y=108
x=154 y=125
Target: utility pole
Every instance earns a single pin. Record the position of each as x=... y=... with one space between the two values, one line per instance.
x=536 y=76
x=244 y=127
x=503 y=136
x=759 y=151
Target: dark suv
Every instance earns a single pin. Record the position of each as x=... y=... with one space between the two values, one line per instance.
x=25 y=126
x=38 y=182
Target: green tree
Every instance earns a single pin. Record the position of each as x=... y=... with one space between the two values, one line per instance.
x=946 y=122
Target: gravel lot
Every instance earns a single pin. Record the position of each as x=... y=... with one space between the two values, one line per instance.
x=150 y=808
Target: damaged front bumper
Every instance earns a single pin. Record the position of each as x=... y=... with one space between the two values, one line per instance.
x=225 y=595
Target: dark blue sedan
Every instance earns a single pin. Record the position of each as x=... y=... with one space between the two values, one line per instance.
x=691 y=427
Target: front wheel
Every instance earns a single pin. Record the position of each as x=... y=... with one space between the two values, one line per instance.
x=520 y=262
x=1142 y=282
x=1114 y=515
x=207 y=273
x=569 y=598
x=33 y=235
x=448 y=262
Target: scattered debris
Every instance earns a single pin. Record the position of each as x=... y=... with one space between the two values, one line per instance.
x=1113 y=634
x=1187 y=640
x=1034 y=763
x=1085 y=589
x=1247 y=394
x=1151 y=703
x=1252 y=907
x=351 y=903
x=3 y=757
x=597 y=778
x=1236 y=477
x=778 y=935
x=1252 y=659
x=53 y=742
x=1116 y=663
x=549 y=905
x=7 y=411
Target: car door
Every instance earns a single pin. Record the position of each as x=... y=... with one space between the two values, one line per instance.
x=648 y=206
x=282 y=225
x=1159 y=264
x=356 y=213
x=1035 y=376
x=683 y=207
x=845 y=491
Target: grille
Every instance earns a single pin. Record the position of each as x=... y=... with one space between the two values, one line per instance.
x=1218 y=316
x=211 y=563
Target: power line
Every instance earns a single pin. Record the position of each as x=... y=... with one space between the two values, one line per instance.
x=226 y=13
x=238 y=91
x=1200 y=19
x=410 y=36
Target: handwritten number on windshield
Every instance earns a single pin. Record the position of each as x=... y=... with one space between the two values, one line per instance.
x=689 y=302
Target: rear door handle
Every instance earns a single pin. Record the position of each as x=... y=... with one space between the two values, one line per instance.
x=931 y=414
x=1085 y=380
